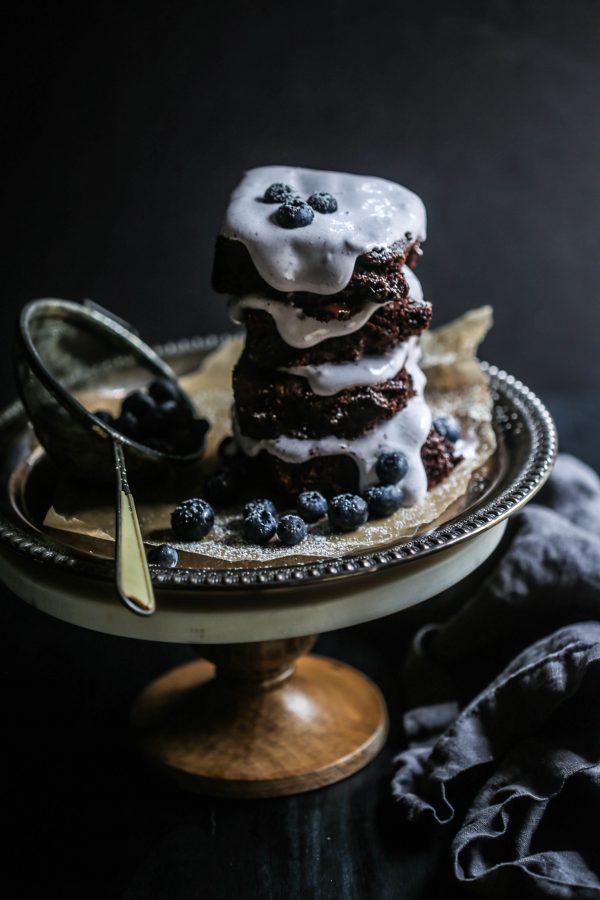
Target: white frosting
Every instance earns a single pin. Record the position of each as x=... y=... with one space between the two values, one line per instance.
x=302 y=331
x=294 y=326
x=320 y=257
x=406 y=431
x=330 y=378
x=415 y=291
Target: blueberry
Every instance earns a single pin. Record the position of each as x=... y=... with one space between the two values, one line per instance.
x=139 y=404
x=448 y=427
x=259 y=525
x=163 y=389
x=252 y=505
x=291 y=530
x=105 y=416
x=294 y=213
x=391 y=467
x=129 y=425
x=311 y=506
x=278 y=193
x=323 y=202
x=150 y=425
x=168 y=413
x=221 y=488
x=171 y=414
x=192 y=519
x=383 y=500
x=163 y=555
x=348 y=511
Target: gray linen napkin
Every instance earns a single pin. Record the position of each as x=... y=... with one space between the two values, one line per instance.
x=503 y=718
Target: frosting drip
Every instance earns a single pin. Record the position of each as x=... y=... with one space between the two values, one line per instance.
x=320 y=258
x=294 y=326
x=330 y=378
x=302 y=331
x=406 y=431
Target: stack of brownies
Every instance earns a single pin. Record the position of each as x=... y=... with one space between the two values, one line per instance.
x=319 y=268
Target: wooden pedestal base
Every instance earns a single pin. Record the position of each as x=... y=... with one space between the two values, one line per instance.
x=261 y=725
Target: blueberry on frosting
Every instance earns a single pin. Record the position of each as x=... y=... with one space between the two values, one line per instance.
x=294 y=213
x=323 y=202
x=278 y=193
x=391 y=467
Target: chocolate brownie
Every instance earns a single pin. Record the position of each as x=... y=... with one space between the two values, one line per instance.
x=270 y=403
x=439 y=458
x=359 y=236
x=389 y=325
x=377 y=276
x=331 y=475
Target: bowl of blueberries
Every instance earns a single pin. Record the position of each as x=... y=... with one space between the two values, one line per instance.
x=63 y=347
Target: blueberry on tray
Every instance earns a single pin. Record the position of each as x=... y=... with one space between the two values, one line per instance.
x=348 y=512
x=259 y=525
x=383 y=500
x=192 y=519
x=311 y=506
x=163 y=555
x=291 y=530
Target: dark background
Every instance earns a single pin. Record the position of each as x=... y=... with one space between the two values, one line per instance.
x=125 y=129
x=129 y=125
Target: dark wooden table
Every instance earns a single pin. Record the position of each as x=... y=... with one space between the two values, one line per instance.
x=85 y=818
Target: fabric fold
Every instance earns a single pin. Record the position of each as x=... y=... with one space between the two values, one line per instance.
x=503 y=717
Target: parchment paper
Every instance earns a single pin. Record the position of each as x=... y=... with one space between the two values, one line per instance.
x=455 y=385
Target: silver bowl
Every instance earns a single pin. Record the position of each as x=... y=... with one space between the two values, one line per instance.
x=60 y=348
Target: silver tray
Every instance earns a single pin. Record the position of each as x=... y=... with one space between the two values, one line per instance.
x=527 y=446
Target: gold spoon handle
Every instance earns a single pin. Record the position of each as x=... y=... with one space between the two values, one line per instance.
x=133 y=581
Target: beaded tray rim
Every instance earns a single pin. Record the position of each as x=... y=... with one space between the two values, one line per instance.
x=537 y=432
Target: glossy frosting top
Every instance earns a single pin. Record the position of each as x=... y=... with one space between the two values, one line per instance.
x=320 y=257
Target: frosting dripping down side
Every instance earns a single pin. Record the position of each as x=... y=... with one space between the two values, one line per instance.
x=294 y=326
x=406 y=431
x=301 y=331
x=330 y=378
x=320 y=258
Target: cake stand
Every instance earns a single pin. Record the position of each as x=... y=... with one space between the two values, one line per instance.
x=257 y=716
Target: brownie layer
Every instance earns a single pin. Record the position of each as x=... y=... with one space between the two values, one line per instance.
x=270 y=403
x=389 y=325
x=439 y=458
x=333 y=475
x=377 y=276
